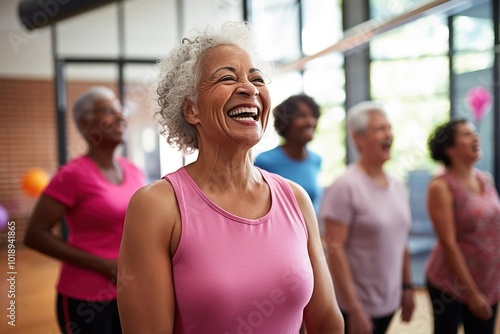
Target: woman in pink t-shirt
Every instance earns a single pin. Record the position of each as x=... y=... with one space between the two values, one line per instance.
x=463 y=272
x=91 y=193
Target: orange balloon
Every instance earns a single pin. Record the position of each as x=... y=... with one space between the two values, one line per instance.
x=34 y=181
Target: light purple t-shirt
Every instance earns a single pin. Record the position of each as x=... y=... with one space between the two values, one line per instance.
x=379 y=222
x=234 y=275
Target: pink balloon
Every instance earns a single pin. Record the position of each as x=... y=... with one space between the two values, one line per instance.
x=4 y=218
x=479 y=99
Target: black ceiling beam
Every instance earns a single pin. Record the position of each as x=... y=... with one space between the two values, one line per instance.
x=36 y=14
x=109 y=60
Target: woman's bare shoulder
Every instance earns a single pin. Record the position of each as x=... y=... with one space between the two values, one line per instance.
x=160 y=191
x=155 y=202
x=438 y=185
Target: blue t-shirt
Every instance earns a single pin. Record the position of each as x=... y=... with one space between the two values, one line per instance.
x=304 y=172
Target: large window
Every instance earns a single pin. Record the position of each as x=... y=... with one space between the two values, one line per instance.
x=409 y=74
x=472 y=74
x=311 y=27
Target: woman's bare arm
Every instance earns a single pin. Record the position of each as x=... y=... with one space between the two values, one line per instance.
x=322 y=314
x=336 y=236
x=440 y=207
x=47 y=213
x=145 y=286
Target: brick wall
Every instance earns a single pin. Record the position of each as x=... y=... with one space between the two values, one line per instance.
x=28 y=139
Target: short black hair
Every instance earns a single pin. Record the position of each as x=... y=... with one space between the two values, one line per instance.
x=287 y=111
x=443 y=137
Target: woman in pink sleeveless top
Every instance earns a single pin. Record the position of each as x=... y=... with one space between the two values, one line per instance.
x=220 y=246
x=463 y=272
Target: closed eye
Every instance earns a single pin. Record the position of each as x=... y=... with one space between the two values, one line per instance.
x=227 y=78
x=258 y=79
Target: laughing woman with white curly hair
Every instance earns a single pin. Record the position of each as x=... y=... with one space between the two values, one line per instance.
x=220 y=246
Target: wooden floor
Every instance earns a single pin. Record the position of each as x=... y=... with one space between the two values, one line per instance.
x=35 y=296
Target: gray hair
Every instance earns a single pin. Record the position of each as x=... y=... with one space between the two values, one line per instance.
x=85 y=102
x=357 y=116
x=179 y=75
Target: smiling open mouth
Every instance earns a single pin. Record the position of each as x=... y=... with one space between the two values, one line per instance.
x=386 y=145
x=244 y=113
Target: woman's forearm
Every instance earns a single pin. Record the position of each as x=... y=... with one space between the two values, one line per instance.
x=342 y=275
x=48 y=244
x=464 y=283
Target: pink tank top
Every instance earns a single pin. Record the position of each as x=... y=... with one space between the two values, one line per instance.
x=477 y=223
x=234 y=275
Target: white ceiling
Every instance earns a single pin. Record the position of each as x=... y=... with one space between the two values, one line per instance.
x=151 y=28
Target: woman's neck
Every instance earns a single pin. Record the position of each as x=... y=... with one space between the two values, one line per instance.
x=295 y=151
x=463 y=171
x=104 y=158
x=374 y=171
x=105 y=161
x=222 y=169
x=464 y=174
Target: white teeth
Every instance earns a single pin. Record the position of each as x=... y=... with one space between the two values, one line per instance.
x=246 y=110
x=244 y=118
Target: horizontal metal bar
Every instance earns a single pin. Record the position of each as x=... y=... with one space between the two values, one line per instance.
x=364 y=32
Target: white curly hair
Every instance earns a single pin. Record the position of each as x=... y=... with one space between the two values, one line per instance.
x=179 y=75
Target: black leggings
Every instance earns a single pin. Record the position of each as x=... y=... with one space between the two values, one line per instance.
x=82 y=317
x=449 y=314
x=380 y=325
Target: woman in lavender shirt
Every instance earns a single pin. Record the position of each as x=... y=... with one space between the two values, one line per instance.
x=367 y=220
